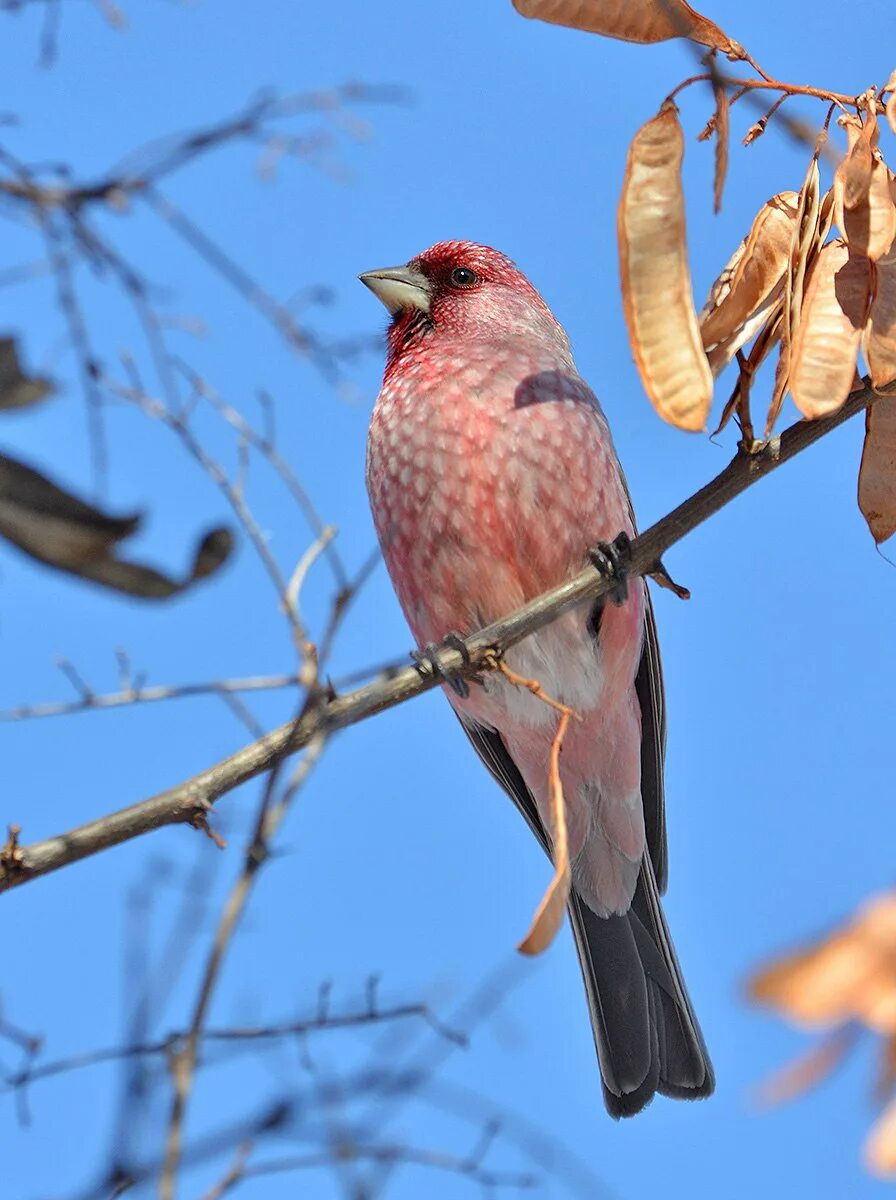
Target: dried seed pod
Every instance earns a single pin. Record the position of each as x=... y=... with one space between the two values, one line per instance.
x=877 y=474
x=853 y=176
x=632 y=20
x=804 y=245
x=721 y=354
x=890 y=86
x=752 y=277
x=863 y=200
x=879 y=340
x=834 y=312
x=656 y=282
x=722 y=131
x=767 y=339
x=782 y=379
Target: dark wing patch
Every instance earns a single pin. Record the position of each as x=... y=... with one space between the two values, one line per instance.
x=649 y=686
x=652 y=698
x=489 y=745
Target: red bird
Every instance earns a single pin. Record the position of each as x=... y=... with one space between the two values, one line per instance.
x=491 y=472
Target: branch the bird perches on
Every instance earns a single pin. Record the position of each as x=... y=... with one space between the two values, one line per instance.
x=191 y=802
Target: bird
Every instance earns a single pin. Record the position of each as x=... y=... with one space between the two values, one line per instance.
x=492 y=474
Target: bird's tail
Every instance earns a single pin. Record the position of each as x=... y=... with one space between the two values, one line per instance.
x=645 y=1031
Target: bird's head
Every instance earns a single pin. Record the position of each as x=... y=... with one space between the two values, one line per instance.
x=459 y=290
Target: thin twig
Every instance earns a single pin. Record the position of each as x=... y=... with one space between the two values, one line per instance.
x=183 y=1063
x=550 y=912
x=766 y=85
x=178 y=423
x=266 y=444
x=464 y=1165
x=90 y=701
x=237 y=1034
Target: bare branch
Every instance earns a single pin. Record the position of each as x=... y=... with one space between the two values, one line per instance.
x=139 y=693
x=271 y=813
x=266 y=444
x=178 y=422
x=468 y=1166
x=34 y=1072
x=190 y=801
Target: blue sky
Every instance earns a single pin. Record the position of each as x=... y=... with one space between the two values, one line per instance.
x=401 y=856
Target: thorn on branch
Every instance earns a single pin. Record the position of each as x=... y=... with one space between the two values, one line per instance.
x=324 y=992
x=12 y=858
x=200 y=821
x=663 y=579
x=371 y=992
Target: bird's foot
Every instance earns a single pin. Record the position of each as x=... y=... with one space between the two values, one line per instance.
x=429 y=662
x=612 y=559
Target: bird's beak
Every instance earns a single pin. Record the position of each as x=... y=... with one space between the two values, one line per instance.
x=399 y=287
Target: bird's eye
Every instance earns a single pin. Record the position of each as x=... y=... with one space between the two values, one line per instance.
x=464 y=277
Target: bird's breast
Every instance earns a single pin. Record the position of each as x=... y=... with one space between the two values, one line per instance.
x=488 y=483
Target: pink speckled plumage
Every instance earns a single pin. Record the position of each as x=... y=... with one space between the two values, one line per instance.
x=491 y=470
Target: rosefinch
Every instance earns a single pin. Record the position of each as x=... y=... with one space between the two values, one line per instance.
x=491 y=472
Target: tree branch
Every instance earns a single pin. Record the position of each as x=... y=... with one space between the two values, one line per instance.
x=190 y=802
x=34 y=1072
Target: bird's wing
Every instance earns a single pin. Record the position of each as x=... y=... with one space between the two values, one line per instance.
x=651 y=696
x=645 y=1031
x=490 y=747
x=649 y=685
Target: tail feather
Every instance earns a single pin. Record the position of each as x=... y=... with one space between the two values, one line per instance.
x=645 y=1031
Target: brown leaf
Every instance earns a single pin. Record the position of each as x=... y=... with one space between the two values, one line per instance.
x=887 y=1073
x=879 y=339
x=880 y=1148
x=551 y=911
x=549 y=916
x=877 y=474
x=656 y=282
x=18 y=390
x=809 y=1069
x=57 y=528
x=632 y=20
x=752 y=277
x=833 y=315
x=722 y=129
x=849 y=975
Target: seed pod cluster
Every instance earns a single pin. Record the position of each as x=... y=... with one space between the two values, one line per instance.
x=814 y=278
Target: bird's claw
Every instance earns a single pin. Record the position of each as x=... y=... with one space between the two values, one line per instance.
x=611 y=559
x=429 y=662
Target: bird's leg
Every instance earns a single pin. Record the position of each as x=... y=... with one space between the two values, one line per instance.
x=611 y=559
x=428 y=662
